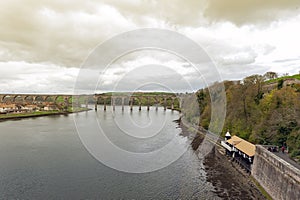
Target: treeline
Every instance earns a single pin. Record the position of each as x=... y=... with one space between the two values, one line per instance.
x=140 y=98
x=258 y=115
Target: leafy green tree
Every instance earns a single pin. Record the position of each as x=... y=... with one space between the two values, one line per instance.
x=270 y=118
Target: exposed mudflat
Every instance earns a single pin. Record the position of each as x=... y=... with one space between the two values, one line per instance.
x=229 y=179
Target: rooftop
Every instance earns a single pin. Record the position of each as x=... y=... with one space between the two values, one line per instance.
x=242 y=145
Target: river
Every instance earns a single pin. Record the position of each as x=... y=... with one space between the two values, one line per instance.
x=44 y=158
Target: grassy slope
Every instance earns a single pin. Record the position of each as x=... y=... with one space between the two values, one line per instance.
x=296 y=76
x=32 y=114
x=39 y=113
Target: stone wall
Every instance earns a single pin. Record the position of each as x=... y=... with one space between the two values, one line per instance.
x=279 y=178
x=269 y=87
x=291 y=81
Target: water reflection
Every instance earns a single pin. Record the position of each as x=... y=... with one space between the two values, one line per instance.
x=43 y=158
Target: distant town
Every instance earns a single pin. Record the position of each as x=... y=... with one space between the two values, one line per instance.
x=28 y=107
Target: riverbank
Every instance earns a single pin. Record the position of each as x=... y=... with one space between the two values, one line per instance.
x=15 y=116
x=229 y=180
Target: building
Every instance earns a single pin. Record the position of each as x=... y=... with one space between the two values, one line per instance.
x=6 y=108
x=17 y=108
x=50 y=107
x=240 y=150
x=30 y=108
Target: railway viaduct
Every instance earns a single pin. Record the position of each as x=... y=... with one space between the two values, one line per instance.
x=113 y=100
x=167 y=100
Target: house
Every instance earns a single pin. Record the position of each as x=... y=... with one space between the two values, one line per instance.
x=30 y=108
x=6 y=108
x=50 y=107
x=240 y=150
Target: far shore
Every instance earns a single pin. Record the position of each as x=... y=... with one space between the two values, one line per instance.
x=15 y=116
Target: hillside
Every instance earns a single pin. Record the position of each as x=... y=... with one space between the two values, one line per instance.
x=260 y=116
x=296 y=76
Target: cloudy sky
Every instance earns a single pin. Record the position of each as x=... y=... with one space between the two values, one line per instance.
x=45 y=43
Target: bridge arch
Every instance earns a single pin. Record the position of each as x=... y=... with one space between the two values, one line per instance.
x=28 y=98
x=49 y=98
x=55 y=99
x=167 y=101
x=61 y=98
x=102 y=99
x=38 y=98
x=7 y=98
x=18 y=98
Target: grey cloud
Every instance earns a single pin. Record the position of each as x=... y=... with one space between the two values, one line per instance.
x=287 y=60
x=21 y=77
x=238 y=58
x=250 y=11
x=55 y=31
x=174 y=12
x=235 y=72
x=62 y=33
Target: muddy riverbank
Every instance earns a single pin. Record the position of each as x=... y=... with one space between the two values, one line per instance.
x=230 y=181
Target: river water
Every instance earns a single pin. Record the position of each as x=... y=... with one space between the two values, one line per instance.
x=44 y=158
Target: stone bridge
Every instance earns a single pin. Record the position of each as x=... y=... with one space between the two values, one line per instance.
x=165 y=100
x=169 y=100
x=14 y=98
x=38 y=98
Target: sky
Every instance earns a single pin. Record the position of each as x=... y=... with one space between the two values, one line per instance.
x=45 y=44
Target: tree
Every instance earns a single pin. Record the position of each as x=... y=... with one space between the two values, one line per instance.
x=271 y=118
x=270 y=75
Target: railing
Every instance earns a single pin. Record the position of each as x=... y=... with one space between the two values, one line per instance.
x=272 y=148
x=226 y=146
x=243 y=163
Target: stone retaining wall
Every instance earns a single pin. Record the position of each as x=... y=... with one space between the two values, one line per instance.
x=279 y=178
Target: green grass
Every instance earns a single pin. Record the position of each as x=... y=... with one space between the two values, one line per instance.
x=261 y=189
x=29 y=114
x=40 y=113
x=77 y=109
x=296 y=76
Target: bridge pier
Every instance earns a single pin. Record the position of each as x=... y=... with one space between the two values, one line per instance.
x=148 y=104
x=172 y=106
x=131 y=104
x=113 y=103
x=77 y=101
x=54 y=99
x=96 y=104
x=160 y=100
x=66 y=99
x=34 y=99
x=165 y=103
